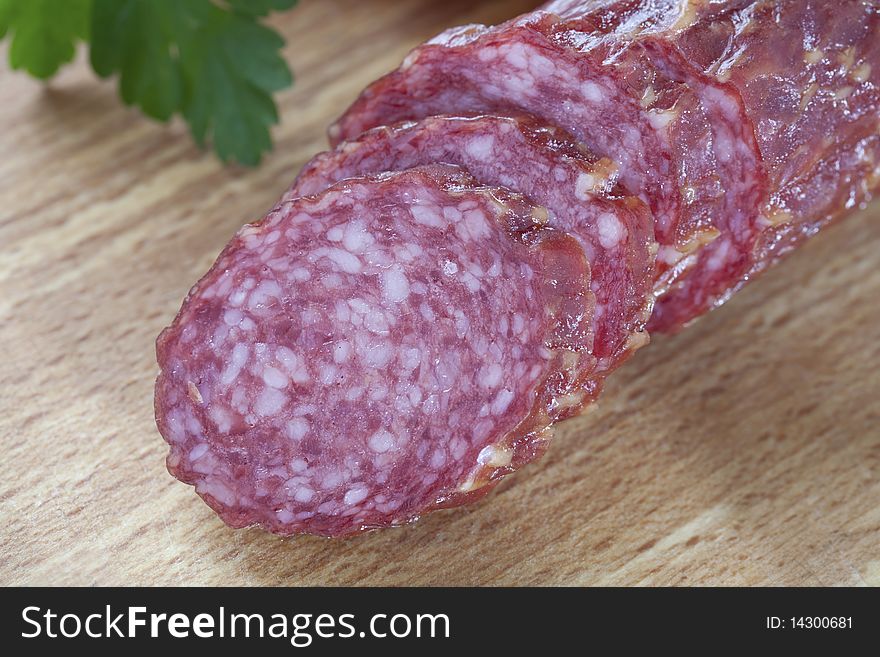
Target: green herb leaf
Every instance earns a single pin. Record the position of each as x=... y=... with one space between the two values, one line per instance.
x=213 y=63
x=232 y=66
x=260 y=7
x=44 y=32
x=210 y=60
x=135 y=37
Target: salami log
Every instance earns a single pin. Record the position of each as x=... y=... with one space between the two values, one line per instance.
x=392 y=345
x=805 y=73
x=544 y=163
x=406 y=326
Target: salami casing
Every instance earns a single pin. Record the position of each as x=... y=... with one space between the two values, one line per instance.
x=392 y=345
x=808 y=74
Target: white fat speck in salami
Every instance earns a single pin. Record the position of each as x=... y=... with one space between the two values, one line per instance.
x=369 y=401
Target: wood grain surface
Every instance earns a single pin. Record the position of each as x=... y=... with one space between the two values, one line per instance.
x=745 y=450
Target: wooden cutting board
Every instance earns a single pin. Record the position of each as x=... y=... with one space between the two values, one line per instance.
x=744 y=451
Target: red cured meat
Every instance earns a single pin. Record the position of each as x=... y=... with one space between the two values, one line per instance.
x=527 y=156
x=808 y=73
x=392 y=345
x=765 y=113
x=807 y=76
x=679 y=138
x=739 y=184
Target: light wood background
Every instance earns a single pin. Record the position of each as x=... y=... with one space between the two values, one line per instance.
x=744 y=451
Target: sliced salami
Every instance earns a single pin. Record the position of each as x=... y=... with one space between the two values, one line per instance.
x=544 y=163
x=679 y=139
x=403 y=329
x=394 y=344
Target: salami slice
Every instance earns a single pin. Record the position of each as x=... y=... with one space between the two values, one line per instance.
x=544 y=163
x=679 y=139
x=394 y=344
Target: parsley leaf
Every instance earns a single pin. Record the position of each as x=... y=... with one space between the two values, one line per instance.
x=260 y=7
x=211 y=61
x=44 y=32
x=135 y=37
x=216 y=66
x=232 y=66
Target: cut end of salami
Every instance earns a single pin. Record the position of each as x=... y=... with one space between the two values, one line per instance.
x=362 y=356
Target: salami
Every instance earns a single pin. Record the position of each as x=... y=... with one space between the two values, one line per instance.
x=808 y=74
x=394 y=344
x=544 y=163
x=484 y=243
x=680 y=141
